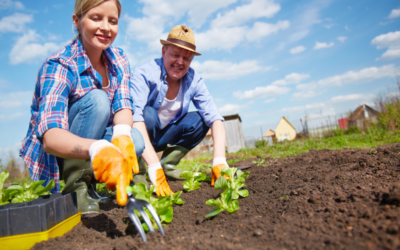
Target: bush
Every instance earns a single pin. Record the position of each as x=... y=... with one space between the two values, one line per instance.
x=261 y=143
x=352 y=130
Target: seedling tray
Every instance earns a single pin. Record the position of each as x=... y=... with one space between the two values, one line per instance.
x=38 y=215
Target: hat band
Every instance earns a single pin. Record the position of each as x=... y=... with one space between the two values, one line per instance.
x=173 y=40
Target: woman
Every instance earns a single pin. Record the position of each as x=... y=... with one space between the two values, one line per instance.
x=81 y=92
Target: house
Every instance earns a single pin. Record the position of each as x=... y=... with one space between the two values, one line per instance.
x=234 y=137
x=362 y=114
x=269 y=137
x=285 y=130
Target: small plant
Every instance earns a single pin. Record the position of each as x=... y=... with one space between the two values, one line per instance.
x=372 y=152
x=101 y=189
x=284 y=197
x=162 y=205
x=26 y=191
x=259 y=162
x=193 y=178
x=225 y=202
x=228 y=200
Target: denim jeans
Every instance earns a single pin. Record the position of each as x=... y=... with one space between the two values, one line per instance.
x=187 y=132
x=88 y=118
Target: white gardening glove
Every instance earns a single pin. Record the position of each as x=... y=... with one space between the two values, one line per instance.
x=157 y=177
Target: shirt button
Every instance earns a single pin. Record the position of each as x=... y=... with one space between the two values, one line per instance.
x=159 y=101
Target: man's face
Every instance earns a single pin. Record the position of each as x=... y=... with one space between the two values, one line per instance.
x=176 y=61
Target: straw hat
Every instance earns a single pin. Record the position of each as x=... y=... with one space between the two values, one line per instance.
x=182 y=37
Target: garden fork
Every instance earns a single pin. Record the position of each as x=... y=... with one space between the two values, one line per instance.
x=139 y=205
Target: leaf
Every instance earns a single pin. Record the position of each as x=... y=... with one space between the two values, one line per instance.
x=200 y=177
x=49 y=187
x=229 y=172
x=139 y=188
x=233 y=207
x=129 y=189
x=243 y=193
x=35 y=186
x=221 y=183
x=239 y=173
x=246 y=174
x=167 y=217
x=227 y=196
x=212 y=202
x=214 y=212
x=186 y=175
x=179 y=202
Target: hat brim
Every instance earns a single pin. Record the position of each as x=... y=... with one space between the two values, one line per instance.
x=164 y=42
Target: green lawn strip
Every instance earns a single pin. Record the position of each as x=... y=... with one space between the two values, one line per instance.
x=368 y=139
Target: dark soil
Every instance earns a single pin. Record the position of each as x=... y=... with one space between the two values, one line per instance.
x=326 y=199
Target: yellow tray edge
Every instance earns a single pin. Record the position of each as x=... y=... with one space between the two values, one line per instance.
x=26 y=241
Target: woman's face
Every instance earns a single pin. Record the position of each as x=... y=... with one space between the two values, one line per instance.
x=99 y=26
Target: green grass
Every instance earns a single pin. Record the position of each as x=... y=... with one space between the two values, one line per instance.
x=370 y=138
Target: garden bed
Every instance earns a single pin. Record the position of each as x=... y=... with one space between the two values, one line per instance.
x=326 y=199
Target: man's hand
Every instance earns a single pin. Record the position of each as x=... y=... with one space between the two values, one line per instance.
x=216 y=173
x=157 y=177
x=123 y=141
x=111 y=167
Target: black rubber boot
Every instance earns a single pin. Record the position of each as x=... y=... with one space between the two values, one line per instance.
x=77 y=175
x=141 y=176
x=170 y=158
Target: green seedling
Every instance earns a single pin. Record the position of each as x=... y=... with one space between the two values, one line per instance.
x=162 y=205
x=29 y=191
x=234 y=182
x=193 y=178
x=225 y=202
x=259 y=162
x=284 y=197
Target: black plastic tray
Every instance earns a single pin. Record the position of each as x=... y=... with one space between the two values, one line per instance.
x=38 y=215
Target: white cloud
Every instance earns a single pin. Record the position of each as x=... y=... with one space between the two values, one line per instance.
x=297 y=50
x=391 y=41
x=9 y=104
x=229 y=109
x=303 y=108
x=218 y=100
x=291 y=79
x=5 y=4
x=196 y=11
x=261 y=92
x=342 y=38
x=270 y=100
x=244 y=13
x=329 y=25
x=304 y=95
x=220 y=38
x=10 y=117
x=218 y=69
x=261 y=29
x=319 y=45
x=395 y=13
x=347 y=28
x=15 y=22
x=364 y=75
x=16 y=99
x=353 y=97
x=27 y=50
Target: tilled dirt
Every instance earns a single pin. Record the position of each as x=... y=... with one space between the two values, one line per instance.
x=326 y=199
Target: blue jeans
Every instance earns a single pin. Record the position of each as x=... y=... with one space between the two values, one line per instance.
x=88 y=118
x=187 y=132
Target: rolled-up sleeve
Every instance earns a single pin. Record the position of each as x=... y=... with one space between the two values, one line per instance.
x=139 y=91
x=122 y=98
x=56 y=79
x=204 y=103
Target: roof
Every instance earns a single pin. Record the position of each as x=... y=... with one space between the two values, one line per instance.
x=232 y=117
x=359 y=114
x=269 y=133
x=283 y=118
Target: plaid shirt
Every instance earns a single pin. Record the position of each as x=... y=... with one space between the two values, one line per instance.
x=64 y=77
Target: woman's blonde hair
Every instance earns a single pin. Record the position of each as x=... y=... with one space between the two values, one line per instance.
x=83 y=6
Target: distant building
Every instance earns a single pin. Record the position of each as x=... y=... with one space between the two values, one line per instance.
x=285 y=130
x=362 y=114
x=234 y=137
x=269 y=137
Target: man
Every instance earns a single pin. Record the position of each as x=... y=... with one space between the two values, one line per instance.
x=162 y=90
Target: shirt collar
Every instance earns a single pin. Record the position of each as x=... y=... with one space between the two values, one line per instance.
x=84 y=62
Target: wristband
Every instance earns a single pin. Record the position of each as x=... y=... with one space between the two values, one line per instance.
x=121 y=130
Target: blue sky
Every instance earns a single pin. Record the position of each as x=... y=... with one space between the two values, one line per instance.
x=262 y=59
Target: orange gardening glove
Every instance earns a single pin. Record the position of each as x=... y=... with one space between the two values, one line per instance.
x=216 y=173
x=157 y=177
x=110 y=166
x=123 y=141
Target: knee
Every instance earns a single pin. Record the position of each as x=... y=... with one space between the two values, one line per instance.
x=196 y=122
x=99 y=103
x=138 y=141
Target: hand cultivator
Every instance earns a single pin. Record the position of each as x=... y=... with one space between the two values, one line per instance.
x=139 y=205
